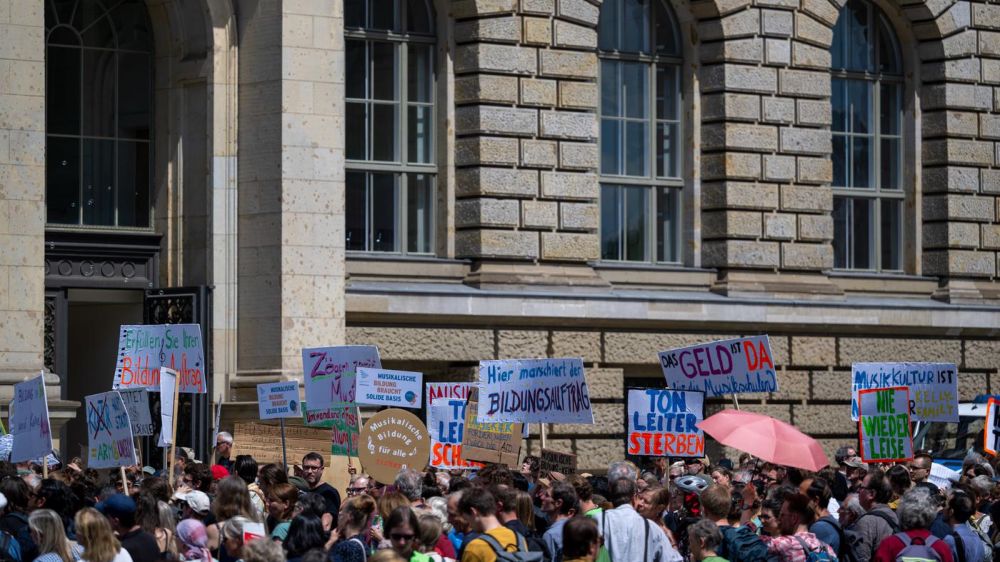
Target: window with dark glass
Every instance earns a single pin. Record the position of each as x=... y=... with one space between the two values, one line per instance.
x=98 y=113
x=867 y=98
x=391 y=171
x=640 y=112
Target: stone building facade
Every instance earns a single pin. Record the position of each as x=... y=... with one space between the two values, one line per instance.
x=475 y=179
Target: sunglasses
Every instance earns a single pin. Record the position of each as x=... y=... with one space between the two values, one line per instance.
x=401 y=536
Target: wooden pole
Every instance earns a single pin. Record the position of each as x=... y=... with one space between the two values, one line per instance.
x=173 y=432
x=542 y=431
x=284 y=451
x=45 y=466
x=124 y=479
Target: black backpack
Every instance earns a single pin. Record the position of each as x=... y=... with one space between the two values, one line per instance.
x=522 y=554
x=845 y=553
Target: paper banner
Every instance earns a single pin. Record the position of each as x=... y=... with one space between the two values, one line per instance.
x=489 y=442
x=29 y=421
x=278 y=400
x=168 y=378
x=933 y=387
x=329 y=373
x=884 y=427
x=534 y=391
x=143 y=350
x=109 y=432
x=736 y=366
x=137 y=404
x=662 y=422
x=382 y=387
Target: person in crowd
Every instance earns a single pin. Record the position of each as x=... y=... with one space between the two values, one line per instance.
x=840 y=484
x=353 y=524
x=982 y=486
x=438 y=507
x=269 y=475
x=704 y=539
x=232 y=499
x=312 y=471
x=722 y=476
x=628 y=535
x=507 y=514
x=965 y=543
x=120 y=511
x=660 y=467
x=428 y=535
x=387 y=503
x=694 y=465
x=879 y=521
x=531 y=469
x=410 y=483
x=263 y=551
x=920 y=467
x=232 y=537
x=622 y=469
x=856 y=472
x=15 y=516
x=192 y=541
x=59 y=497
x=478 y=507
x=899 y=481
x=359 y=484
x=246 y=468
x=826 y=527
x=559 y=502
x=401 y=530
x=769 y=511
x=795 y=542
x=304 y=534
x=675 y=471
x=581 y=540
x=386 y=556
x=47 y=531
x=94 y=533
x=645 y=480
x=916 y=511
x=281 y=500
x=461 y=527
x=585 y=495
x=158 y=519
x=197 y=476
x=194 y=505
x=850 y=511
x=223 y=450
x=653 y=504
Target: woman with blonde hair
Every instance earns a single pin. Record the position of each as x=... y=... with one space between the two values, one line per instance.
x=48 y=533
x=232 y=499
x=98 y=540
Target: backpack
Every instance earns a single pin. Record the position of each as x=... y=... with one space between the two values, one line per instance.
x=913 y=552
x=844 y=553
x=5 y=543
x=814 y=554
x=740 y=544
x=960 y=547
x=522 y=554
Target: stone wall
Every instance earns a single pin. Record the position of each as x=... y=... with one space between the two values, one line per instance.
x=814 y=372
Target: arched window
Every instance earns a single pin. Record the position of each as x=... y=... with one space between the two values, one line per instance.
x=390 y=126
x=640 y=55
x=867 y=128
x=98 y=113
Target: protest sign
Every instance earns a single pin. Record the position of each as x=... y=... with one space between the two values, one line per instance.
x=381 y=387
x=137 y=403
x=253 y=531
x=329 y=373
x=278 y=400
x=736 y=366
x=109 y=432
x=168 y=391
x=392 y=440
x=554 y=461
x=346 y=432
x=143 y=350
x=933 y=387
x=489 y=442
x=29 y=421
x=884 y=427
x=446 y=423
x=991 y=429
x=534 y=391
x=662 y=422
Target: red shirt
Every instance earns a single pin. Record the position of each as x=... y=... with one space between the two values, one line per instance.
x=891 y=546
x=444 y=547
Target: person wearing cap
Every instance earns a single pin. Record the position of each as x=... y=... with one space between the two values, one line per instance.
x=194 y=505
x=696 y=465
x=856 y=472
x=223 y=450
x=120 y=511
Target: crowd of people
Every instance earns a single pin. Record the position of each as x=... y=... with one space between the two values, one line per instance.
x=690 y=510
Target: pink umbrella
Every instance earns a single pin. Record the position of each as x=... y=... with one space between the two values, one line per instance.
x=766 y=438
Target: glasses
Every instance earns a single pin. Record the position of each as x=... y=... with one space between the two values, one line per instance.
x=401 y=536
x=310 y=468
x=356 y=491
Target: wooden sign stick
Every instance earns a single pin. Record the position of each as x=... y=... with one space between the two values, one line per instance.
x=124 y=480
x=173 y=432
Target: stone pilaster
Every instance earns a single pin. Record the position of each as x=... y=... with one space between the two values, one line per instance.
x=526 y=134
x=291 y=183
x=766 y=146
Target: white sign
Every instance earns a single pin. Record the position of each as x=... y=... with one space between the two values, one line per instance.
x=381 y=387
x=109 y=432
x=168 y=378
x=446 y=423
x=736 y=366
x=991 y=429
x=137 y=404
x=29 y=421
x=279 y=400
x=329 y=372
x=533 y=391
x=933 y=387
x=143 y=350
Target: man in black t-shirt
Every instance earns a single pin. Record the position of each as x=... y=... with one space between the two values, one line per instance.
x=120 y=511
x=312 y=471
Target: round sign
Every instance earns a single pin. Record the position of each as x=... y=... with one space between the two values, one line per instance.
x=392 y=440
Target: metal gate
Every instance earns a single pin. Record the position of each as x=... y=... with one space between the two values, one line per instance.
x=186 y=305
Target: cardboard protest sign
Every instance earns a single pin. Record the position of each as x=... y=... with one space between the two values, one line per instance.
x=736 y=366
x=109 y=432
x=392 y=440
x=884 y=427
x=933 y=387
x=168 y=379
x=489 y=442
x=137 y=403
x=534 y=391
x=991 y=429
x=381 y=387
x=143 y=350
x=446 y=424
x=329 y=373
x=563 y=463
x=278 y=400
x=662 y=422
x=29 y=421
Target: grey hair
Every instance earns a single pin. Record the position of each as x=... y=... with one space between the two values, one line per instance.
x=226 y=437
x=263 y=550
x=438 y=507
x=917 y=509
x=841 y=455
x=982 y=486
x=853 y=505
x=622 y=470
x=233 y=528
x=410 y=483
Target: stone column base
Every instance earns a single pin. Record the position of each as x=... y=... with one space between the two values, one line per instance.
x=759 y=284
x=967 y=291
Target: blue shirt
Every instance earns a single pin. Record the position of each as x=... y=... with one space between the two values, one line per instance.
x=974 y=547
x=553 y=539
x=826 y=532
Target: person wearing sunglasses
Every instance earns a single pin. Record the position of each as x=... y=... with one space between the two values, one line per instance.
x=402 y=527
